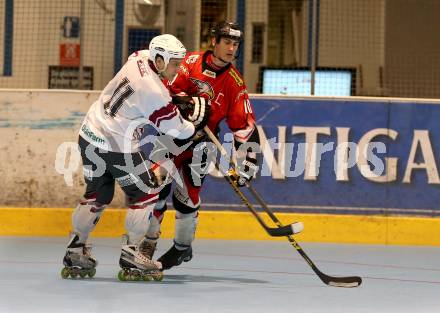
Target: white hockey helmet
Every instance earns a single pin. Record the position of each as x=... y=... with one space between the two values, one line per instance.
x=168 y=47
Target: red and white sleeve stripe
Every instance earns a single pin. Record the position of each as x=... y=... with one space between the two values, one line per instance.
x=165 y=113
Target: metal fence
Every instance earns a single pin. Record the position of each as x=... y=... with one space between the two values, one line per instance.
x=387 y=48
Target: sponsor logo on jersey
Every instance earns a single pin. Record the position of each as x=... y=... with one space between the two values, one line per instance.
x=142 y=68
x=204 y=88
x=192 y=59
x=236 y=77
x=184 y=69
x=91 y=135
x=209 y=73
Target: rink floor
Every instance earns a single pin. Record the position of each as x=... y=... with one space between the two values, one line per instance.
x=224 y=276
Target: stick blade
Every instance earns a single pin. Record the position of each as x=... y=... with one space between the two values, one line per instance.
x=280 y=231
x=344 y=282
x=286 y=230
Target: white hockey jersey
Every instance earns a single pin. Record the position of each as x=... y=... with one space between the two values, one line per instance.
x=135 y=97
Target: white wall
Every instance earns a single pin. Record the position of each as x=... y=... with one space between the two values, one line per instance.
x=33 y=125
x=351 y=34
x=412 y=62
x=2 y=34
x=256 y=12
x=38 y=34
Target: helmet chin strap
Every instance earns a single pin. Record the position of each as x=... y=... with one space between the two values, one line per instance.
x=220 y=58
x=160 y=72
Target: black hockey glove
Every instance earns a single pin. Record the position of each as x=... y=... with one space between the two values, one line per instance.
x=194 y=109
x=155 y=178
x=183 y=102
x=150 y=173
x=246 y=169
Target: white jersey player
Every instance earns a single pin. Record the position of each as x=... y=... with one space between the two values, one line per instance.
x=109 y=142
x=134 y=97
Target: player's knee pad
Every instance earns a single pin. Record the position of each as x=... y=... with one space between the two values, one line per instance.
x=137 y=221
x=185 y=228
x=85 y=217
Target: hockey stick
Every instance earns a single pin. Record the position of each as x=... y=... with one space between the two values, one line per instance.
x=281 y=230
x=346 y=282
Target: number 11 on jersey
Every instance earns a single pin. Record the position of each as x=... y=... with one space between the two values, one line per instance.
x=121 y=93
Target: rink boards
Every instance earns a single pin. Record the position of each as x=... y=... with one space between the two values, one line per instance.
x=400 y=175
x=342 y=200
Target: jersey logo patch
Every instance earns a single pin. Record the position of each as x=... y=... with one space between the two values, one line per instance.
x=209 y=73
x=242 y=93
x=192 y=59
x=204 y=88
x=218 y=101
x=184 y=69
x=236 y=77
x=142 y=68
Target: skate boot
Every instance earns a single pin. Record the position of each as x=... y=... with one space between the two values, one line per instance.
x=147 y=246
x=175 y=257
x=78 y=260
x=135 y=265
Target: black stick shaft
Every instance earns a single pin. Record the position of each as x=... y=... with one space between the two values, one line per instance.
x=274 y=232
x=347 y=282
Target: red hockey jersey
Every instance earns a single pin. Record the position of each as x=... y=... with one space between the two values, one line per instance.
x=224 y=87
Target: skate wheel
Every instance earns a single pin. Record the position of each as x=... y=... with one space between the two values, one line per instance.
x=74 y=274
x=82 y=274
x=147 y=277
x=158 y=276
x=91 y=272
x=65 y=273
x=121 y=275
x=136 y=276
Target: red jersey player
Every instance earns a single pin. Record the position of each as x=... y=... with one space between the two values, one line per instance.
x=211 y=75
